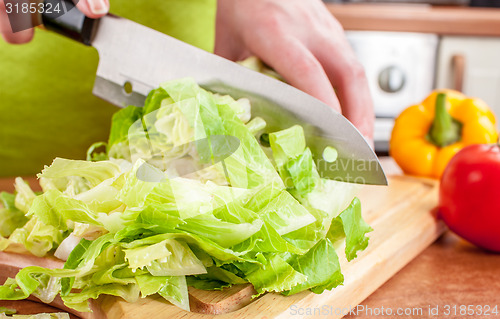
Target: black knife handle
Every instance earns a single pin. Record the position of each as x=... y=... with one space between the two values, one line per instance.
x=68 y=21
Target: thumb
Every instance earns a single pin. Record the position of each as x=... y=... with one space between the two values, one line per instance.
x=6 y=28
x=93 y=8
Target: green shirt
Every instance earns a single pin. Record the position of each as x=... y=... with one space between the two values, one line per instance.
x=47 y=109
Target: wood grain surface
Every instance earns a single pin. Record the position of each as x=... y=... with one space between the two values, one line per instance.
x=451 y=272
x=418 y=18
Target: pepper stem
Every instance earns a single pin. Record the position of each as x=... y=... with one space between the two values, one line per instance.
x=445 y=130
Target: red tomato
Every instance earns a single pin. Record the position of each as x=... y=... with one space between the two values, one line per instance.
x=469 y=198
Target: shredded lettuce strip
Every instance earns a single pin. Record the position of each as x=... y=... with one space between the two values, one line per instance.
x=171 y=204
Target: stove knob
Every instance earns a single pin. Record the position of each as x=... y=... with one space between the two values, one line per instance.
x=391 y=79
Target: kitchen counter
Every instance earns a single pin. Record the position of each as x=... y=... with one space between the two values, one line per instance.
x=418 y=18
x=451 y=272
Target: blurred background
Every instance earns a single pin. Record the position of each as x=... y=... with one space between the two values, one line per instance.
x=409 y=47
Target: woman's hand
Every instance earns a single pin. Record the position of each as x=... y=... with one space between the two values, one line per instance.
x=91 y=8
x=304 y=43
x=300 y=39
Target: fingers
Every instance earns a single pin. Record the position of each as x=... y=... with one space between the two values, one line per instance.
x=298 y=66
x=93 y=8
x=6 y=29
x=304 y=43
x=348 y=78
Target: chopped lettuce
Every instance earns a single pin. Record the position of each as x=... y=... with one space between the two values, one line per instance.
x=11 y=217
x=327 y=277
x=173 y=289
x=184 y=196
x=24 y=197
x=275 y=274
x=10 y=313
x=7 y=311
x=92 y=172
x=351 y=226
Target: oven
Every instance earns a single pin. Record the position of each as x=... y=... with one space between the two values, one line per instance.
x=400 y=67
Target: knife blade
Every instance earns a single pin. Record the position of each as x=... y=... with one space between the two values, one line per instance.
x=134 y=56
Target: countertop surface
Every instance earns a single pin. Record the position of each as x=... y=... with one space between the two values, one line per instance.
x=447 y=277
x=418 y=18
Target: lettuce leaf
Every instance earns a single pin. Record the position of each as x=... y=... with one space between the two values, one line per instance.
x=173 y=289
x=10 y=216
x=185 y=196
x=24 y=197
x=216 y=278
x=321 y=266
x=275 y=275
x=93 y=172
x=120 y=124
x=350 y=224
x=37 y=237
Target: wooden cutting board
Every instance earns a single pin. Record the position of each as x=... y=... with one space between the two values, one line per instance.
x=404 y=225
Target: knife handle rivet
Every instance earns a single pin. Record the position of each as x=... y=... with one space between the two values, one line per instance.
x=330 y=154
x=128 y=88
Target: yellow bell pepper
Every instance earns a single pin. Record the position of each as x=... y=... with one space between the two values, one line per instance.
x=427 y=135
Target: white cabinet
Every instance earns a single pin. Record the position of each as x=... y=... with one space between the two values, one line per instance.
x=480 y=59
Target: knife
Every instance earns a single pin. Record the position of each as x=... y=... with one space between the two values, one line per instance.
x=134 y=59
